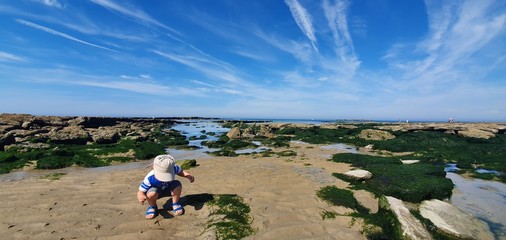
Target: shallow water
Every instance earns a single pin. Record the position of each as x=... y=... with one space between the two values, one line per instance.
x=483 y=199
x=203 y=127
x=40 y=173
x=341 y=147
x=196 y=129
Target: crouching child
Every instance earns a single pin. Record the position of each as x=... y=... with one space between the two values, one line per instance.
x=160 y=182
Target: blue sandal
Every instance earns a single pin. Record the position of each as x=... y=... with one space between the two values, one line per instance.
x=177 y=207
x=152 y=211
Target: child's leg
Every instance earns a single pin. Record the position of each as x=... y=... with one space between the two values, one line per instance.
x=176 y=195
x=152 y=196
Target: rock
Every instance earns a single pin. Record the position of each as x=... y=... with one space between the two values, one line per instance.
x=359 y=174
x=26 y=125
x=93 y=122
x=411 y=227
x=373 y=134
x=105 y=135
x=69 y=135
x=27 y=145
x=476 y=130
x=77 y=121
x=453 y=221
x=265 y=131
x=234 y=133
x=409 y=161
x=6 y=140
x=476 y=133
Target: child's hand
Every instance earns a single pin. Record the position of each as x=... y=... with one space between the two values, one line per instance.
x=190 y=177
x=141 y=197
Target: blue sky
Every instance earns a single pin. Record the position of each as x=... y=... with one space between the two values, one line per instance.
x=329 y=59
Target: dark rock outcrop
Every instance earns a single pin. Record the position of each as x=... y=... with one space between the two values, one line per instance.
x=6 y=140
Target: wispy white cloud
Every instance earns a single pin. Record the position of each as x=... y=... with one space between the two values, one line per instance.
x=145 y=76
x=140 y=77
x=203 y=65
x=8 y=57
x=459 y=32
x=85 y=25
x=64 y=35
x=51 y=3
x=359 y=26
x=336 y=15
x=300 y=50
x=145 y=88
x=261 y=57
x=136 y=14
x=64 y=76
x=303 y=20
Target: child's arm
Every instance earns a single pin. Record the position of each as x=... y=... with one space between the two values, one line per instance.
x=186 y=174
x=141 y=197
x=143 y=188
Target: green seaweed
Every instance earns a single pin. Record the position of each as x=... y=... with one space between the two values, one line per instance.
x=409 y=182
x=328 y=214
x=234 y=221
x=187 y=163
x=53 y=176
x=341 y=197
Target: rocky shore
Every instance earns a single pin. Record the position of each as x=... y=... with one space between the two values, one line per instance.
x=32 y=131
x=23 y=130
x=75 y=206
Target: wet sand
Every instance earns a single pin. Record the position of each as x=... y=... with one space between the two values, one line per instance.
x=101 y=203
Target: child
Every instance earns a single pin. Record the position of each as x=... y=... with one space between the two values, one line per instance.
x=160 y=182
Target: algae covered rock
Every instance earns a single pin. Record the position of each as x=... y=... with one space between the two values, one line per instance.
x=187 y=163
x=476 y=133
x=373 y=134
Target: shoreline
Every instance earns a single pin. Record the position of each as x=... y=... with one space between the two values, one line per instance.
x=87 y=203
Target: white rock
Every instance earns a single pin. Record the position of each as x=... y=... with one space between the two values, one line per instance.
x=453 y=221
x=409 y=161
x=359 y=174
x=411 y=227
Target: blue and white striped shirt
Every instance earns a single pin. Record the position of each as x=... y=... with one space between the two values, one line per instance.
x=150 y=180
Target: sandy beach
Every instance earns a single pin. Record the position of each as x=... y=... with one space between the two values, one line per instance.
x=101 y=204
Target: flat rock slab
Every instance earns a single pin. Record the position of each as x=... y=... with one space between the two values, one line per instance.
x=453 y=221
x=411 y=227
x=409 y=161
x=359 y=174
